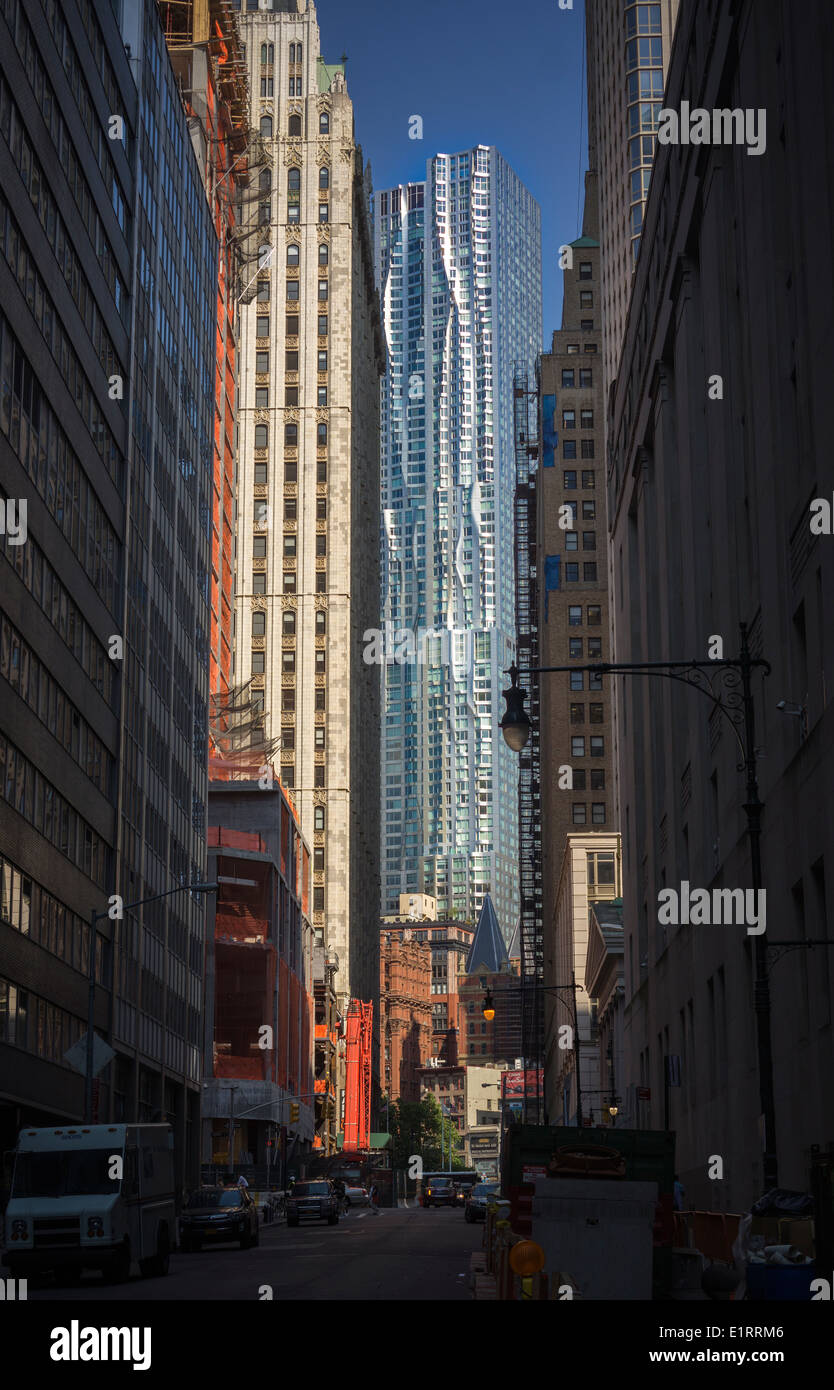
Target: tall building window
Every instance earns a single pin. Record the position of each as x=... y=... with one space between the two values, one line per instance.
x=586 y=419
x=594 y=615
x=577 y=714
x=324 y=123
x=324 y=177
x=568 y=419
x=586 y=378
x=262 y=436
x=569 y=477
x=259 y=623
x=587 y=449
x=571 y=573
x=259 y=547
x=288 y=622
x=588 y=478
x=318 y=818
x=568 y=381
x=577 y=746
x=294 y=127
x=579 y=813
x=321 y=435
x=266 y=127
x=262 y=326
x=291 y=435
x=585 y=270
x=569 y=449
x=589 y=572
x=324 y=253
x=293 y=253
x=598 y=812
x=574 y=616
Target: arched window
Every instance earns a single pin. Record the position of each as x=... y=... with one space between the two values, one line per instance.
x=324 y=177
x=292 y=253
x=295 y=125
x=289 y=622
x=266 y=127
x=294 y=180
x=258 y=624
x=262 y=436
x=265 y=180
x=291 y=435
x=321 y=435
x=324 y=253
x=321 y=622
x=324 y=123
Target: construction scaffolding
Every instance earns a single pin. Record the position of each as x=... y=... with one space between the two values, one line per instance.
x=359 y=1030
x=525 y=434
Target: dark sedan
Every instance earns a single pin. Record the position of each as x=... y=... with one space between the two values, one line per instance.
x=219 y=1214
x=479 y=1199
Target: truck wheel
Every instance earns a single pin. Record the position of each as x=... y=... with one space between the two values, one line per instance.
x=157 y=1265
x=120 y=1266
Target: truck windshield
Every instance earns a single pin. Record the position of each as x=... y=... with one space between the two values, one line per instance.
x=74 y=1173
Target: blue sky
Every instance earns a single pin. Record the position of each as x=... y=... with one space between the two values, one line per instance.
x=478 y=72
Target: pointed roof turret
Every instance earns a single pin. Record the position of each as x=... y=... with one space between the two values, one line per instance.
x=487 y=949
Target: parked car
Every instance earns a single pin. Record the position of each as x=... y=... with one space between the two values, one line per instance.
x=479 y=1199
x=438 y=1193
x=316 y=1199
x=219 y=1214
x=462 y=1191
x=357 y=1197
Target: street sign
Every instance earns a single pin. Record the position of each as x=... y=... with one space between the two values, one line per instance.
x=77 y=1055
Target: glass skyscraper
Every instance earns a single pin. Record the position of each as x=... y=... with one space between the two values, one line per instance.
x=458 y=261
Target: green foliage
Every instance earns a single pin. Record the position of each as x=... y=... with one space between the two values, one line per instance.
x=416 y=1131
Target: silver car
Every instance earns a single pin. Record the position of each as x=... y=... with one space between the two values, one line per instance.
x=356 y=1197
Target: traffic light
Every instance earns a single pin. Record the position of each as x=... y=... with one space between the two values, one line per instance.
x=294 y=1112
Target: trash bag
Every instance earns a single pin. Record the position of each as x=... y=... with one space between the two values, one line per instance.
x=779 y=1201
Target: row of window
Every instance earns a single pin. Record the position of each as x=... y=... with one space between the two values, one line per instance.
x=36 y=914
x=27 y=791
x=294 y=130
x=596 y=713
x=289 y=582
x=588 y=474
x=579 y=813
x=586 y=419
x=34 y=433
x=32 y=1023
x=290 y=434
x=589 y=572
x=595 y=744
x=29 y=677
x=41 y=581
x=589 y=540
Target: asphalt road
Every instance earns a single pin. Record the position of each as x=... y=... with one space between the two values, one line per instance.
x=392 y=1255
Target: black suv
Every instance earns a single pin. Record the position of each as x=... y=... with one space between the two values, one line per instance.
x=219 y=1213
x=438 y=1193
x=316 y=1200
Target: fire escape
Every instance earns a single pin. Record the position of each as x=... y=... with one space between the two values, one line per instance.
x=525 y=431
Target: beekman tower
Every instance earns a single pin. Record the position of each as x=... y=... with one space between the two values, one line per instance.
x=458 y=261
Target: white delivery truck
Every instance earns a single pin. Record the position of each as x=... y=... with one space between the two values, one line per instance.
x=92 y=1197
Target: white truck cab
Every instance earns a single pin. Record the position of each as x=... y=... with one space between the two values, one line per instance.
x=92 y=1197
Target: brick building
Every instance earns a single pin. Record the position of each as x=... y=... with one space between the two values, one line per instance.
x=405 y=975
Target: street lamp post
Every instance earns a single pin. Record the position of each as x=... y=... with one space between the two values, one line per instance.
x=95 y=918
x=726 y=682
x=489 y=1012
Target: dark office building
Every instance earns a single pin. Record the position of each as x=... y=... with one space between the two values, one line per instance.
x=106 y=413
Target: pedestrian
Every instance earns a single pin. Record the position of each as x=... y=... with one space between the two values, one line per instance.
x=374 y=1196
